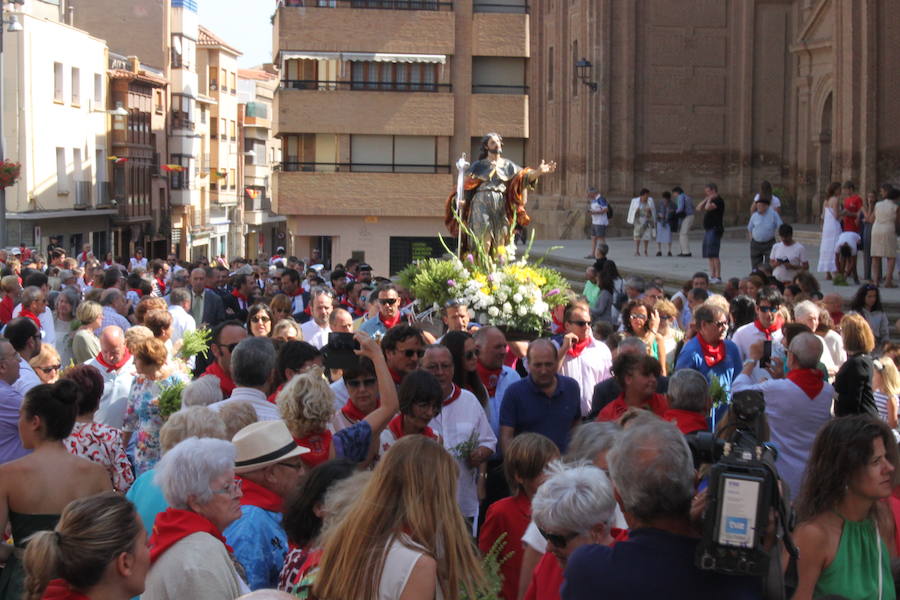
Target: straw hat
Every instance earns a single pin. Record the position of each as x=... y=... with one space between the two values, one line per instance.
x=262 y=444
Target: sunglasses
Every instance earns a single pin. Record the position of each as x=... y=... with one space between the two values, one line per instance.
x=357 y=383
x=230 y=347
x=50 y=369
x=262 y=319
x=637 y=317
x=719 y=324
x=560 y=541
x=580 y=323
x=411 y=353
x=388 y=301
x=769 y=309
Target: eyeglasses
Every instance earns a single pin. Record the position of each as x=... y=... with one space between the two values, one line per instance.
x=665 y=317
x=411 y=353
x=560 y=541
x=580 y=323
x=769 y=309
x=637 y=317
x=50 y=369
x=230 y=347
x=260 y=319
x=719 y=324
x=388 y=301
x=357 y=383
x=230 y=489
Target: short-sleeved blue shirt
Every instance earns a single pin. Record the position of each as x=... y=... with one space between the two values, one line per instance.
x=526 y=408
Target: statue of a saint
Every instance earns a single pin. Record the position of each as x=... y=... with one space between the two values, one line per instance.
x=494 y=195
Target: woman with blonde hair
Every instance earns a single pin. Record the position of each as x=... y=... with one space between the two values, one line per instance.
x=853 y=381
x=85 y=345
x=135 y=335
x=97 y=550
x=46 y=363
x=405 y=536
x=280 y=307
x=287 y=330
x=886 y=386
x=668 y=329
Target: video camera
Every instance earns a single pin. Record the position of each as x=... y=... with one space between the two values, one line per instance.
x=743 y=488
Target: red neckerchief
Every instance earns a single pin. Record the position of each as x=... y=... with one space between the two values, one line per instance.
x=352 y=412
x=392 y=323
x=110 y=368
x=312 y=561
x=271 y=397
x=59 y=589
x=455 y=392
x=136 y=291
x=396 y=427
x=30 y=315
x=108 y=263
x=175 y=524
x=161 y=285
x=808 y=380
x=777 y=322
x=225 y=381
x=687 y=421
x=397 y=377
x=489 y=378
x=319 y=445
x=576 y=350
x=618 y=535
x=359 y=312
x=257 y=495
x=296 y=292
x=713 y=355
x=658 y=405
x=237 y=294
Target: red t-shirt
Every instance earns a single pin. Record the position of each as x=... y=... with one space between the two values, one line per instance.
x=6 y=309
x=852 y=203
x=510 y=516
x=658 y=405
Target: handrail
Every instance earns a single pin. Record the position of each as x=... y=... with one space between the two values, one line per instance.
x=364 y=86
x=293 y=166
x=484 y=88
x=375 y=4
x=499 y=7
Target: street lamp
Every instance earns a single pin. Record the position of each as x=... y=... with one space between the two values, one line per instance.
x=583 y=73
x=14 y=26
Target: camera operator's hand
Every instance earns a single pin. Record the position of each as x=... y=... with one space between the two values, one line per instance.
x=775 y=368
x=756 y=351
x=368 y=347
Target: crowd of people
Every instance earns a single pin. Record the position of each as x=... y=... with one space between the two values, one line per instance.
x=439 y=459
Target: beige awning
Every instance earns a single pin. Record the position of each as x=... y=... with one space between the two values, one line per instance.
x=395 y=58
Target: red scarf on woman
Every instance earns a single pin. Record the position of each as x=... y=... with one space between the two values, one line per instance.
x=489 y=378
x=777 y=323
x=319 y=445
x=110 y=368
x=257 y=495
x=175 y=524
x=808 y=380
x=576 y=349
x=396 y=427
x=352 y=412
x=30 y=315
x=455 y=393
x=713 y=355
x=59 y=589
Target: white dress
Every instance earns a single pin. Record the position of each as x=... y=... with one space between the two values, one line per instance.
x=831 y=229
x=401 y=557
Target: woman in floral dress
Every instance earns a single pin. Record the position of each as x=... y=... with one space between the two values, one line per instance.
x=142 y=417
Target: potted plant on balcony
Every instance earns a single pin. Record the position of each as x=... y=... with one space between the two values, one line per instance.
x=9 y=173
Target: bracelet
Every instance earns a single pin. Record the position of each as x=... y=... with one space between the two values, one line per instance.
x=749 y=361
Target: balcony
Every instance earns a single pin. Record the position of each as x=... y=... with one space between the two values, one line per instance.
x=104 y=195
x=183 y=197
x=83 y=199
x=514 y=41
x=499 y=112
x=392 y=29
x=363 y=112
x=500 y=6
x=386 y=194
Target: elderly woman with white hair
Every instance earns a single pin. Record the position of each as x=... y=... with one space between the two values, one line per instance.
x=574 y=507
x=188 y=554
x=807 y=312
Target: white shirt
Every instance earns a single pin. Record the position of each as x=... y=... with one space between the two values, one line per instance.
x=134 y=263
x=27 y=378
x=48 y=325
x=462 y=420
x=851 y=238
x=116 y=387
x=265 y=410
x=588 y=369
x=834 y=344
x=341 y=394
x=795 y=254
x=775 y=203
x=746 y=336
x=596 y=219
x=315 y=334
x=182 y=322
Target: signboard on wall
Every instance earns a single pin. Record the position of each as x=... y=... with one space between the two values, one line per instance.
x=405 y=250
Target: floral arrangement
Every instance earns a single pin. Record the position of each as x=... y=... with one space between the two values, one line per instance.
x=170 y=399
x=501 y=290
x=195 y=342
x=9 y=173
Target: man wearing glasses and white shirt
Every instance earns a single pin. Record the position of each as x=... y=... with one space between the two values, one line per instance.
x=766 y=327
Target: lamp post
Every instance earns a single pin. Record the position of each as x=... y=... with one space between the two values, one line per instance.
x=582 y=71
x=14 y=26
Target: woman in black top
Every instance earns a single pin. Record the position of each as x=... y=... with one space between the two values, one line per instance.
x=853 y=382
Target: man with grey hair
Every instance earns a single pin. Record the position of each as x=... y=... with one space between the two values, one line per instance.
x=252 y=365
x=807 y=312
x=116 y=366
x=32 y=305
x=609 y=389
x=653 y=480
x=689 y=401
x=180 y=309
x=115 y=307
x=797 y=404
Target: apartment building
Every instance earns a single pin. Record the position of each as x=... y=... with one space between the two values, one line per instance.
x=378 y=99
x=264 y=231
x=55 y=122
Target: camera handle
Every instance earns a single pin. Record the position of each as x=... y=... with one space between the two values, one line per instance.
x=778 y=580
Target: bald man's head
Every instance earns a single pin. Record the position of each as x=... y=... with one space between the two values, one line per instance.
x=112 y=344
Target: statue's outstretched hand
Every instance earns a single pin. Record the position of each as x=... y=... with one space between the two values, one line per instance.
x=547 y=167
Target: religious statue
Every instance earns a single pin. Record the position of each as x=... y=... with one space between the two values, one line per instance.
x=494 y=196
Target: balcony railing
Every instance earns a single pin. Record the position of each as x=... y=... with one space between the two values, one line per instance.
x=104 y=197
x=363 y=167
x=258 y=203
x=378 y=4
x=500 y=7
x=365 y=86
x=499 y=89
x=83 y=195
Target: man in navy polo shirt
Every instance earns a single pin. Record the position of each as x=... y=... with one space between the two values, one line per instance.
x=544 y=402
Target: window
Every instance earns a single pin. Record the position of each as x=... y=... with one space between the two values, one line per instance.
x=368 y=75
x=223 y=79
x=232 y=82
x=98 y=90
x=213 y=128
x=550 y=67
x=223 y=128
x=158 y=101
x=62 y=176
x=398 y=153
x=76 y=86
x=57 y=82
x=183 y=50
x=213 y=79
x=232 y=178
x=180 y=180
x=181 y=112
x=203 y=114
x=498 y=75
x=575 y=60
x=232 y=130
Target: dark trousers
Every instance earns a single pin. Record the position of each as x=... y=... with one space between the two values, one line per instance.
x=759 y=252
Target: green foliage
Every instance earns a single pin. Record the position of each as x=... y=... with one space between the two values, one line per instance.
x=716 y=391
x=490 y=564
x=195 y=342
x=427 y=280
x=170 y=399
